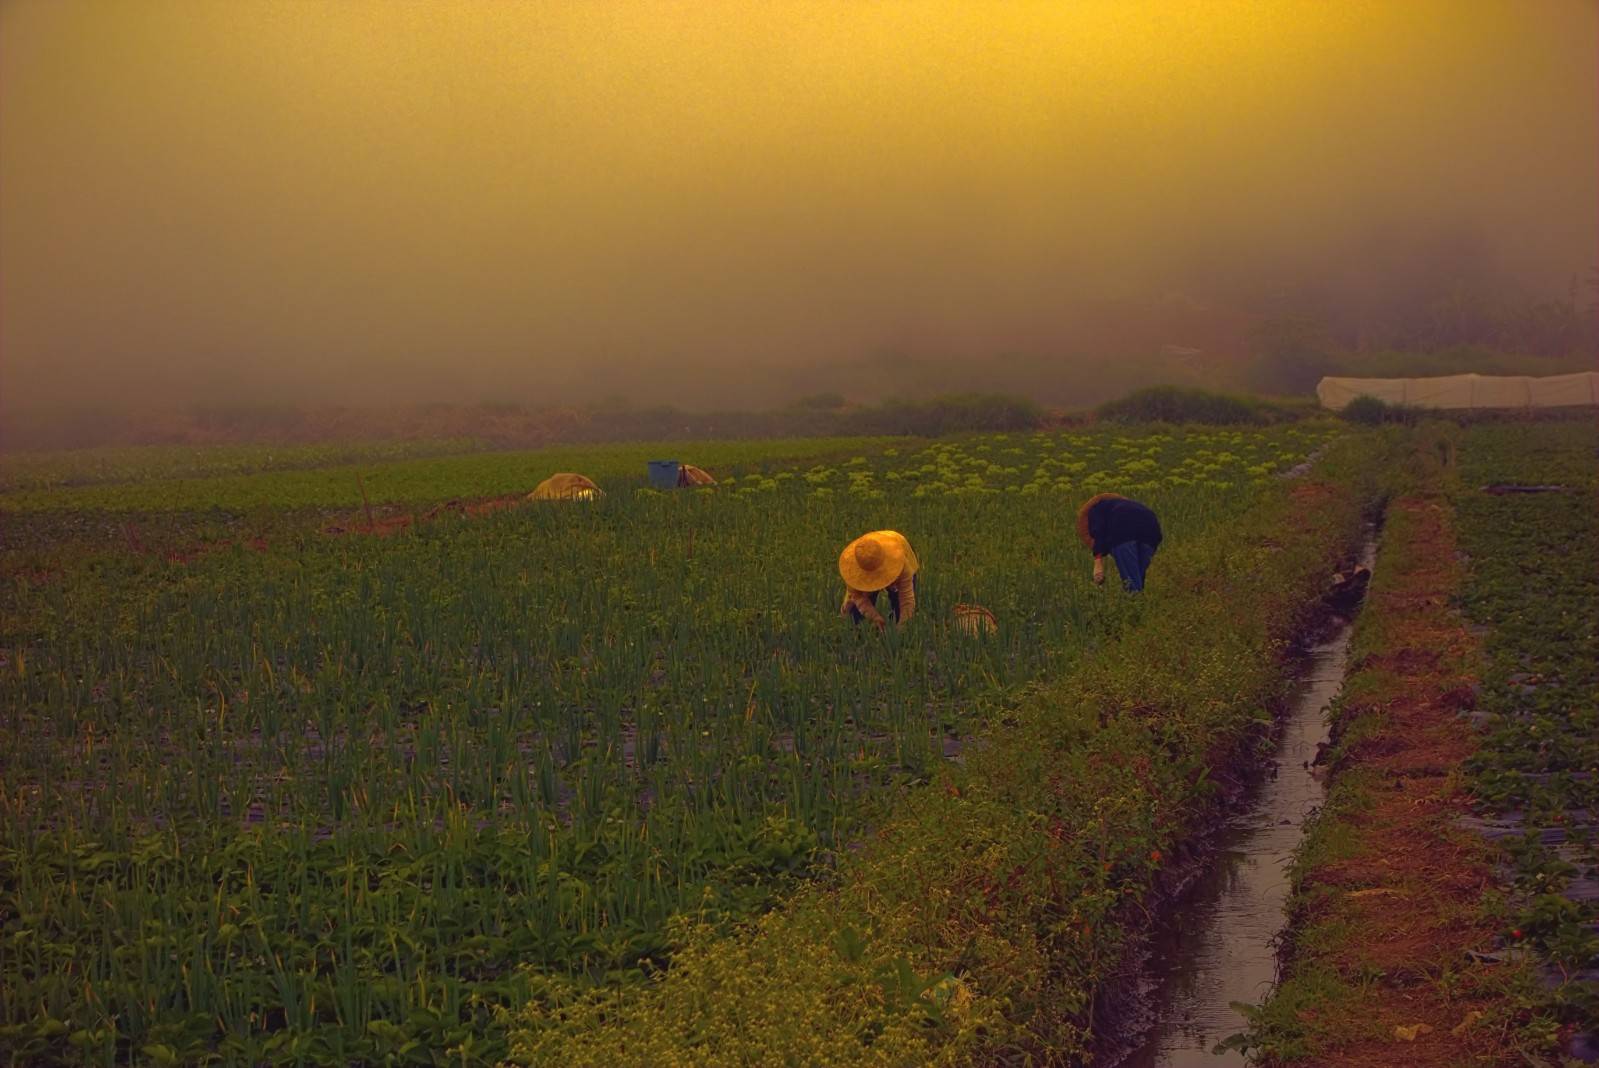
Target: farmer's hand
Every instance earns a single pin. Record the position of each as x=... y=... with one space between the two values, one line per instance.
x=1099 y=570
x=880 y=624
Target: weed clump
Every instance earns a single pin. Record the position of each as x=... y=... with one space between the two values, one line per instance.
x=1372 y=411
x=1177 y=404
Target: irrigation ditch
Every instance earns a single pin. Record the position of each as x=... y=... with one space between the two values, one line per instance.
x=1220 y=907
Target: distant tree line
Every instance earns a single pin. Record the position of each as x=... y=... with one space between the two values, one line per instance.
x=1447 y=315
x=825 y=415
x=513 y=425
x=1176 y=404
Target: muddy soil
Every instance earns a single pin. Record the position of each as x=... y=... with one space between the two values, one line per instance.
x=1219 y=946
x=1223 y=906
x=1399 y=911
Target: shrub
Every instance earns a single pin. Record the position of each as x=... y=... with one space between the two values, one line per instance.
x=1366 y=410
x=1372 y=411
x=1175 y=404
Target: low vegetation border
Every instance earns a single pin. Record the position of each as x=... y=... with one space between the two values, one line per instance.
x=987 y=913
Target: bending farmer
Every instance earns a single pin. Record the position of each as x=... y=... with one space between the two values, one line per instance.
x=881 y=560
x=1112 y=525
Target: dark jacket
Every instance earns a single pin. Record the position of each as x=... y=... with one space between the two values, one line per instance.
x=1117 y=520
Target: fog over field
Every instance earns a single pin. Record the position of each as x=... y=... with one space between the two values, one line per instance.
x=696 y=203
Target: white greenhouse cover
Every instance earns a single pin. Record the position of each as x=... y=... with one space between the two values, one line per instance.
x=1466 y=391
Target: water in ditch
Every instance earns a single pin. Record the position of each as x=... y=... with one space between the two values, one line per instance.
x=1220 y=945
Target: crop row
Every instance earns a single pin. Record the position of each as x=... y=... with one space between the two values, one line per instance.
x=1534 y=585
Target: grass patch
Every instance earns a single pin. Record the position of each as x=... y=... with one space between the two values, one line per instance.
x=1373 y=411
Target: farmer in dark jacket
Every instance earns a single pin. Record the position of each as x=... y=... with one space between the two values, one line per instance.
x=1112 y=525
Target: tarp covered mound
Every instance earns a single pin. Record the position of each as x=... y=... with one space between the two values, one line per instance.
x=1466 y=391
x=565 y=487
x=689 y=475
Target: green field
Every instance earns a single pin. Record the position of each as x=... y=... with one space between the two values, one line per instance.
x=154 y=463
x=329 y=799
x=253 y=477
x=1534 y=588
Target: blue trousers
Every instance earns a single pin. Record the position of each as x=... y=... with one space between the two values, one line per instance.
x=893 y=600
x=1132 y=560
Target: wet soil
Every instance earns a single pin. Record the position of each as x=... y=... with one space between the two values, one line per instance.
x=1171 y=990
x=1220 y=945
x=1400 y=912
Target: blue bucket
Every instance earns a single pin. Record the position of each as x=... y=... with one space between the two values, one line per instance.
x=663 y=473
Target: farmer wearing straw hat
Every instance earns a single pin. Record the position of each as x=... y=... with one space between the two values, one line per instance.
x=881 y=560
x=1128 y=532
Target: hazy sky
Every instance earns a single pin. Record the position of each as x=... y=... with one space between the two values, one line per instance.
x=381 y=200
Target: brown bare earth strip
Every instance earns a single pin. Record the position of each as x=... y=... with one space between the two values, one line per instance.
x=387 y=521
x=1398 y=914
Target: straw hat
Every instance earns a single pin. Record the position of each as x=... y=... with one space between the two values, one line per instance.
x=1082 y=515
x=872 y=561
x=566 y=486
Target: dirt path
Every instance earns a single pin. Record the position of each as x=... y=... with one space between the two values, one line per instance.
x=1389 y=909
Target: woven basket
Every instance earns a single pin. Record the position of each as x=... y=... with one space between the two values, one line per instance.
x=975 y=620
